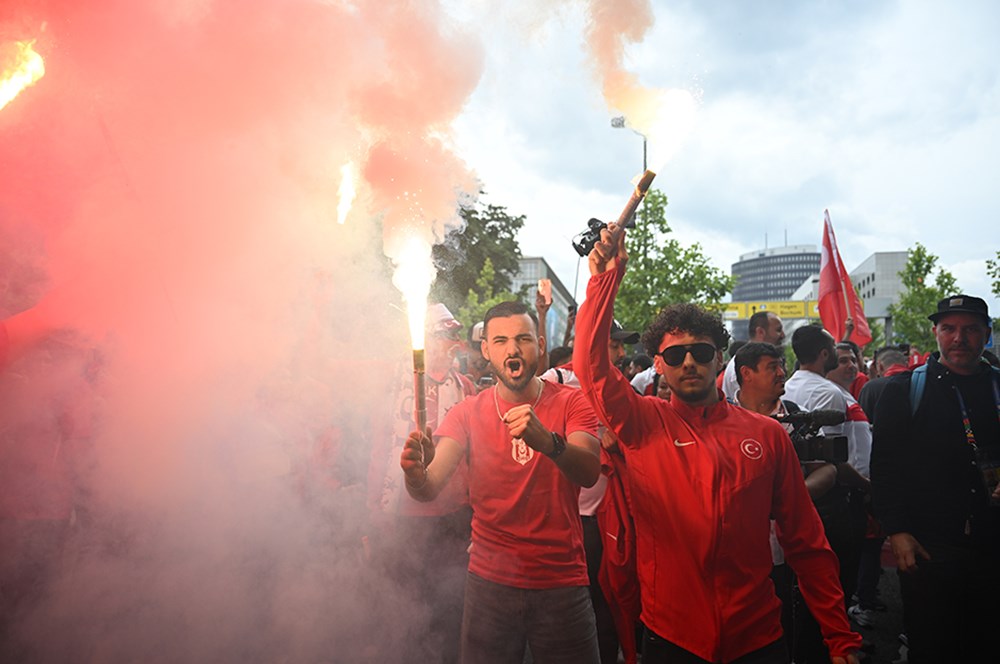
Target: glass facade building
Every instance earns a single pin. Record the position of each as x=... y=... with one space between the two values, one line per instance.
x=774 y=274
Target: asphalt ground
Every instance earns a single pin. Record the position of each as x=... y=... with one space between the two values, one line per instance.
x=883 y=636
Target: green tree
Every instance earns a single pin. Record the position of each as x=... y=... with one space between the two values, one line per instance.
x=993 y=271
x=909 y=315
x=662 y=271
x=878 y=337
x=482 y=297
x=489 y=234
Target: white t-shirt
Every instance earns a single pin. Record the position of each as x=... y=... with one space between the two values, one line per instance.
x=814 y=392
x=730 y=386
x=643 y=379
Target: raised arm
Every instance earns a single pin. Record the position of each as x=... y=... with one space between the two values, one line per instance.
x=542 y=308
x=607 y=390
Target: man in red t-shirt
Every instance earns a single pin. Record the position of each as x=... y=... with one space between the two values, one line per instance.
x=529 y=447
x=706 y=476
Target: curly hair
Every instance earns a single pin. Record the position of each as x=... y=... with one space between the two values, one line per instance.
x=688 y=318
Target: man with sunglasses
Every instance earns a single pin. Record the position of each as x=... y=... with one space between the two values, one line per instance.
x=706 y=475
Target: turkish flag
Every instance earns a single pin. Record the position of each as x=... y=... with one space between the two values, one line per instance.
x=837 y=297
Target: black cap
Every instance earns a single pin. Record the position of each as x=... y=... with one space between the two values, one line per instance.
x=961 y=303
x=624 y=336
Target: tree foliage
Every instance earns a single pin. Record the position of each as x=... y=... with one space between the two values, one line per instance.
x=482 y=298
x=878 y=337
x=920 y=298
x=662 y=271
x=993 y=271
x=489 y=235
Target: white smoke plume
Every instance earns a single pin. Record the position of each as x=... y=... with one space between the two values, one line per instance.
x=169 y=193
x=168 y=200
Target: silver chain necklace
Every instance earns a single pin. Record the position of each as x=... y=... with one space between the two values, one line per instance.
x=496 y=400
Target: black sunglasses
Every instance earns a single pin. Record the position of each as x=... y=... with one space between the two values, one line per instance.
x=674 y=355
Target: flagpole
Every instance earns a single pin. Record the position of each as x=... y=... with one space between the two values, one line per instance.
x=847 y=308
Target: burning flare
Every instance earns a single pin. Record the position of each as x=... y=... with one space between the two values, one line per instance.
x=20 y=67
x=664 y=117
x=414 y=274
x=346 y=193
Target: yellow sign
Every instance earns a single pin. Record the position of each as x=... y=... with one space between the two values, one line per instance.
x=784 y=309
x=734 y=311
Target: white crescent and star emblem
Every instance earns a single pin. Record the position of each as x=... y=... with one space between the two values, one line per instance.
x=752 y=449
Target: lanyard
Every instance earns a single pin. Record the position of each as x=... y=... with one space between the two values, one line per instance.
x=966 y=421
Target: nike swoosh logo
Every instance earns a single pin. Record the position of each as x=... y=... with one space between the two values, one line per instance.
x=680 y=444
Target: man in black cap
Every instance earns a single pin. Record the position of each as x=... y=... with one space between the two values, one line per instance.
x=934 y=467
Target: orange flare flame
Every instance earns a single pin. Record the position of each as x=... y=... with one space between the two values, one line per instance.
x=20 y=67
x=346 y=193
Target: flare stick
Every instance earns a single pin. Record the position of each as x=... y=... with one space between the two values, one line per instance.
x=633 y=202
x=419 y=395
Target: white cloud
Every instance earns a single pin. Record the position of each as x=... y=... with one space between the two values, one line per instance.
x=887 y=114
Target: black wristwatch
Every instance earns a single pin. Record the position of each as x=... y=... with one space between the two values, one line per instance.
x=558 y=446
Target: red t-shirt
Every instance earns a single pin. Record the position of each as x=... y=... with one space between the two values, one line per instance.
x=526 y=529
x=856 y=385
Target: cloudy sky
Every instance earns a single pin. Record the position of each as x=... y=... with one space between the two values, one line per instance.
x=887 y=113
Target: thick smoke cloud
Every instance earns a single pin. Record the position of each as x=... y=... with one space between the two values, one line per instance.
x=168 y=201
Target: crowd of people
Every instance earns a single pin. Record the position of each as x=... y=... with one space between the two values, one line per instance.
x=696 y=501
x=679 y=506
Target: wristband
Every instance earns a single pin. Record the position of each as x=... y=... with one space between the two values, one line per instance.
x=558 y=446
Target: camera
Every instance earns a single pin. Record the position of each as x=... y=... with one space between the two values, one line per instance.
x=831 y=449
x=809 y=444
x=584 y=242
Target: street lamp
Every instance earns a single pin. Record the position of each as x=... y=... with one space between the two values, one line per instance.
x=620 y=123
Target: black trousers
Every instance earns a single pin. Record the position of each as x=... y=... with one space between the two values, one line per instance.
x=657 y=650
x=607 y=635
x=951 y=606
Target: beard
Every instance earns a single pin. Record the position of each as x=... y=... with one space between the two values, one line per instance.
x=515 y=373
x=692 y=391
x=831 y=363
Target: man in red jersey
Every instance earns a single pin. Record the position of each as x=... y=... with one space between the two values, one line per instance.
x=705 y=476
x=529 y=447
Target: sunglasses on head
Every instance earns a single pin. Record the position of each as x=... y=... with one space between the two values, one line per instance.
x=701 y=352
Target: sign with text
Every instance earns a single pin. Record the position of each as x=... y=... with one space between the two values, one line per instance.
x=784 y=309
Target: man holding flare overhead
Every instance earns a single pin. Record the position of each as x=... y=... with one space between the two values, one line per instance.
x=706 y=476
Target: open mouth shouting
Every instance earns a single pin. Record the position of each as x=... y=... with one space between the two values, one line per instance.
x=514 y=367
